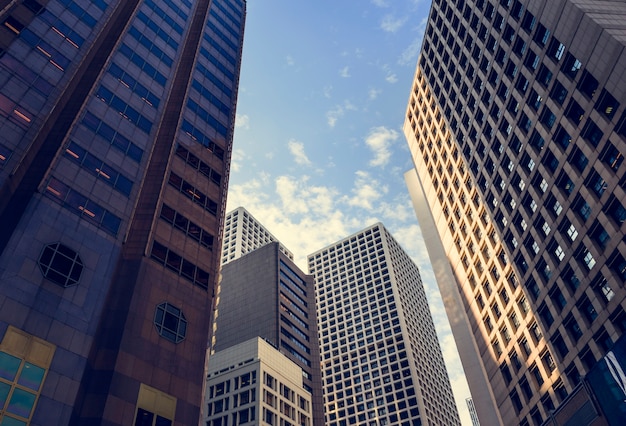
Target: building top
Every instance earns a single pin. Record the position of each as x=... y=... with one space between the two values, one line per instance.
x=250 y=351
x=243 y=234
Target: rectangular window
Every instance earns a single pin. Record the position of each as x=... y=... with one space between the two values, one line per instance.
x=24 y=364
x=155 y=408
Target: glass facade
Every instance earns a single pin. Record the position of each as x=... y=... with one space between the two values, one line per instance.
x=107 y=109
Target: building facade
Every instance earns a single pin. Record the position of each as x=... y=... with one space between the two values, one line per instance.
x=264 y=294
x=116 y=124
x=517 y=130
x=243 y=233
x=252 y=383
x=381 y=360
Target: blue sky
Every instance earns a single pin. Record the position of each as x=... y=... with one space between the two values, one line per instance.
x=319 y=151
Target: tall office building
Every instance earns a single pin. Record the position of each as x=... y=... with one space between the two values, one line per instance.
x=264 y=294
x=381 y=360
x=253 y=383
x=243 y=233
x=116 y=124
x=517 y=129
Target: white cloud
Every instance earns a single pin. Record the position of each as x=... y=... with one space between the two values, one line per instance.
x=366 y=192
x=409 y=55
x=391 y=24
x=333 y=115
x=380 y=3
x=345 y=72
x=372 y=94
x=238 y=156
x=379 y=141
x=242 y=121
x=296 y=149
x=328 y=91
x=290 y=61
x=391 y=78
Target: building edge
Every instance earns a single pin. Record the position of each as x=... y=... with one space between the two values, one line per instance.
x=482 y=395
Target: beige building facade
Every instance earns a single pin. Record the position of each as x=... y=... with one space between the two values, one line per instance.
x=517 y=131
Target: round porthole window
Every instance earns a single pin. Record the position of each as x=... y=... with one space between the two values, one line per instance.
x=170 y=322
x=60 y=264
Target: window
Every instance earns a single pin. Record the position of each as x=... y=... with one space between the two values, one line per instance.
x=179 y=265
x=82 y=206
x=574 y=112
x=170 y=322
x=24 y=363
x=5 y=154
x=603 y=289
x=612 y=157
x=98 y=168
x=544 y=76
x=559 y=345
x=561 y=137
x=587 y=309
x=607 y=104
x=615 y=210
x=558 y=93
x=592 y=133
x=154 y=408
x=60 y=264
x=571 y=66
x=581 y=207
x=578 y=159
x=588 y=84
x=573 y=329
x=183 y=224
x=555 y=49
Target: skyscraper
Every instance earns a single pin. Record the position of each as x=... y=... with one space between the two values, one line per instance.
x=243 y=233
x=517 y=130
x=116 y=123
x=264 y=294
x=381 y=360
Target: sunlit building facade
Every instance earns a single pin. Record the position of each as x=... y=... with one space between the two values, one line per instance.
x=517 y=130
x=381 y=360
x=116 y=124
x=252 y=383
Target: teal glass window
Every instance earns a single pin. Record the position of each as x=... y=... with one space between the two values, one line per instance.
x=21 y=403
x=9 y=366
x=31 y=376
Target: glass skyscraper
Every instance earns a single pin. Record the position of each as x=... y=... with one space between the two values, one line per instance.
x=517 y=130
x=116 y=126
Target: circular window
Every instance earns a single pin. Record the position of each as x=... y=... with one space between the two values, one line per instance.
x=170 y=322
x=60 y=264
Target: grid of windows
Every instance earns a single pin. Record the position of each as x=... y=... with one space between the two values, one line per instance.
x=543 y=85
x=24 y=364
x=243 y=233
x=366 y=287
x=240 y=399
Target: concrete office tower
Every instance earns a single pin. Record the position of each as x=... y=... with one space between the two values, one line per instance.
x=116 y=124
x=243 y=233
x=381 y=360
x=264 y=294
x=472 y=411
x=253 y=383
x=517 y=129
